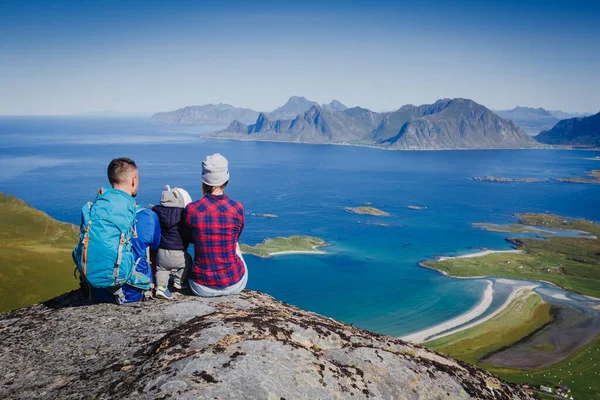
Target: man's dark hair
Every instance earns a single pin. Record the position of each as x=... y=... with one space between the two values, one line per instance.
x=207 y=189
x=119 y=168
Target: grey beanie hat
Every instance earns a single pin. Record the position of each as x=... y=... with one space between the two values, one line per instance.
x=215 y=171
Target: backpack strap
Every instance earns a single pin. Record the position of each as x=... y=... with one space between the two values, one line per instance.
x=119 y=256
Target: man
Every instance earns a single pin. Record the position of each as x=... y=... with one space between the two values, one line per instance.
x=124 y=179
x=216 y=223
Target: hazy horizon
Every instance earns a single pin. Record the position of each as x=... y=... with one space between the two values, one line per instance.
x=65 y=58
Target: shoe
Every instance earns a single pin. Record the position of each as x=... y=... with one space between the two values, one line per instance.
x=178 y=284
x=163 y=293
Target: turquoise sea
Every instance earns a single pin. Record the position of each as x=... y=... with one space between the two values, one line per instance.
x=370 y=275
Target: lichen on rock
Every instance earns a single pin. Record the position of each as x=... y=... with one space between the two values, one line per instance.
x=249 y=346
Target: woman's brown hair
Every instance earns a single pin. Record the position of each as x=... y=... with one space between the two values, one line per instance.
x=207 y=189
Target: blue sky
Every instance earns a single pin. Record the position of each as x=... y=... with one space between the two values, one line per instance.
x=63 y=57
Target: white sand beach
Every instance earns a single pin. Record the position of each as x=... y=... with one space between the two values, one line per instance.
x=480 y=254
x=278 y=253
x=445 y=328
x=424 y=335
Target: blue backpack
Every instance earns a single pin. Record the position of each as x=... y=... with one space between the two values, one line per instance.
x=104 y=256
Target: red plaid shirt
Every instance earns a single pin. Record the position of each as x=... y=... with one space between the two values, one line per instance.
x=216 y=223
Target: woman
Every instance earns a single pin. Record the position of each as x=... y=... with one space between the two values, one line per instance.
x=216 y=223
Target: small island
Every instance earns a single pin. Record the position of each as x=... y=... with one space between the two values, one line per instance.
x=412 y=207
x=367 y=210
x=489 y=178
x=264 y=215
x=285 y=245
x=594 y=174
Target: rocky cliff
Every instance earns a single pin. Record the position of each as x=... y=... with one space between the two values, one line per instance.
x=242 y=347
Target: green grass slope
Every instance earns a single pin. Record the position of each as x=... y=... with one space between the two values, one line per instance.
x=35 y=255
x=524 y=315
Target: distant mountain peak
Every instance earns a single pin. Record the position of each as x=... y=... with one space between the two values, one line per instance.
x=295 y=106
x=206 y=114
x=334 y=106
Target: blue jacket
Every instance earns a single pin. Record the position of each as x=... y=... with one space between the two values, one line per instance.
x=148 y=234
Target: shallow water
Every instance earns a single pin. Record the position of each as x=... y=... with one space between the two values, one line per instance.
x=370 y=275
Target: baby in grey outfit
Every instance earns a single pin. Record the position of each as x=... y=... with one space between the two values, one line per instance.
x=172 y=255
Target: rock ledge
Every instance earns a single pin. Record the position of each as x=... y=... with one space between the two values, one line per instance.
x=243 y=347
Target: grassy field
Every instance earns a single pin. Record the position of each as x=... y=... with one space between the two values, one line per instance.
x=525 y=314
x=367 y=210
x=580 y=372
x=35 y=255
x=281 y=244
x=558 y=222
x=571 y=262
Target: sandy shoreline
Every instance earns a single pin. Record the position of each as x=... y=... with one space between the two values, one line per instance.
x=480 y=254
x=461 y=322
x=277 y=253
x=446 y=328
x=480 y=308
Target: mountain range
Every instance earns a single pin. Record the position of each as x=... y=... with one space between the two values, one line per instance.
x=535 y=120
x=582 y=131
x=226 y=113
x=446 y=124
x=206 y=114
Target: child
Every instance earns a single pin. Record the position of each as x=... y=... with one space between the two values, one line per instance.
x=172 y=255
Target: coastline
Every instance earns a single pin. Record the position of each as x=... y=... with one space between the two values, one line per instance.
x=379 y=147
x=516 y=290
x=435 y=331
x=478 y=254
x=461 y=322
x=279 y=253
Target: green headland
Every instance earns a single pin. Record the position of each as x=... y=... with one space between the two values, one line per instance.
x=35 y=254
x=570 y=262
x=285 y=245
x=368 y=210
